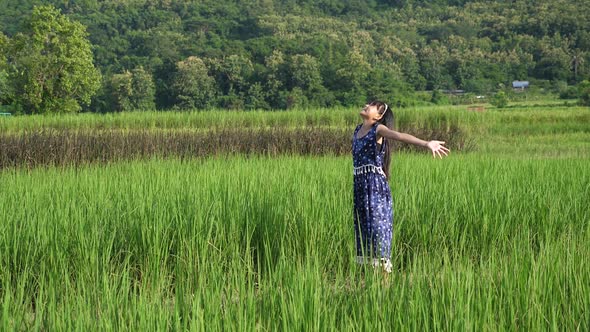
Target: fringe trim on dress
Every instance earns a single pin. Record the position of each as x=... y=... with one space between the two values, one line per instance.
x=368 y=169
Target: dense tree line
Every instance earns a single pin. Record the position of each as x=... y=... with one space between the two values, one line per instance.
x=293 y=53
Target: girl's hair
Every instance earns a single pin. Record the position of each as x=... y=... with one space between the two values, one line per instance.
x=387 y=119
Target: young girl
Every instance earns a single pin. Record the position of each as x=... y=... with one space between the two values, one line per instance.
x=371 y=154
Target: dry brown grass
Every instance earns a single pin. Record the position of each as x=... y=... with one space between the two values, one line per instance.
x=75 y=147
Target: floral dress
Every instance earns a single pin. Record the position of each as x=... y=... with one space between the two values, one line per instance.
x=373 y=213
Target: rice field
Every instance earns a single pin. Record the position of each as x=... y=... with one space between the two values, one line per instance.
x=493 y=239
x=216 y=119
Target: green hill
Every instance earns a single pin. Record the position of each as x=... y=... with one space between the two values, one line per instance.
x=281 y=54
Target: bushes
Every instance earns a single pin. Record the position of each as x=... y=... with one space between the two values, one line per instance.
x=439 y=98
x=570 y=92
x=584 y=93
x=500 y=99
x=132 y=90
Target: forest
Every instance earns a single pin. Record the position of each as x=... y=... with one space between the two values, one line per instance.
x=118 y=55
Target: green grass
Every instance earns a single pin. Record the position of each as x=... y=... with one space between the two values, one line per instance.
x=490 y=240
x=203 y=120
x=481 y=242
x=518 y=120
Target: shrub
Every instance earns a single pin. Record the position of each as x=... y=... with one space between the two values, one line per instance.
x=500 y=99
x=570 y=92
x=439 y=98
x=584 y=93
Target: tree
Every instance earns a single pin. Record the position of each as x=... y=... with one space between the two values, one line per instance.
x=256 y=97
x=192 y=85
x=351 y=76
x=296 y=99
x=144 y=91
x=432 y=61
x=500 y=99
x=231 y=72
x=120 y=90
x=305 y=76
x=276 y=76
x=384 y=82
x=132 y=90
x=52 y=64
x=5 y=89
x=584 y=92
x=554 y=60
x=576 y=61
x=354 y=70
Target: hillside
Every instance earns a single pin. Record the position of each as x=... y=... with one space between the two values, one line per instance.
x=281 y=54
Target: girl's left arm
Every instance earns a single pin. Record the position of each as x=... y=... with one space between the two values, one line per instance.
x=436 y=147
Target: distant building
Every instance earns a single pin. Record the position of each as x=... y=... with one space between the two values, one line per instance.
x=521 y=85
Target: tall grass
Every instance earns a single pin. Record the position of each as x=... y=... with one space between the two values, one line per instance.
x=432 y=117
x=550 y=130
x=480 y=243
x=68 y=147
x=412 y=117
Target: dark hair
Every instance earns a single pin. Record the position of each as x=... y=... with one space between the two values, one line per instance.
x=387 y=120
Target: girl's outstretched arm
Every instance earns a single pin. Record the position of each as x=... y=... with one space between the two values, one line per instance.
x=436 y=147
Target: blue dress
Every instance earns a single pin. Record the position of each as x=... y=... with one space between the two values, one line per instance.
x=373 y=213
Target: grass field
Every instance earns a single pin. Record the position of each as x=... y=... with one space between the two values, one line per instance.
x=206 y=120
x=494 y=239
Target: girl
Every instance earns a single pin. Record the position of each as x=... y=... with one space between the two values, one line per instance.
x=371 y=154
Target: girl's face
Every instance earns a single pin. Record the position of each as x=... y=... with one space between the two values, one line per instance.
x=370 y=112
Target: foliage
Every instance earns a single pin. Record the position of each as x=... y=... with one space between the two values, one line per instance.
x=256 y=97
x=192 y=85
x=569 y=92
x=132 y=90
x=335 y=53
x=120 y=90
x=584 y=93
x=6 y=93
x=439 y=98
x=51 y=64
x=143 y=90
x=500 y=99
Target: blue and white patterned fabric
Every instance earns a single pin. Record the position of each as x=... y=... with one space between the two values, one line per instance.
x=373 y=213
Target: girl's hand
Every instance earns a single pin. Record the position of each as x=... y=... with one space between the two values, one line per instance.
x=437 y=148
